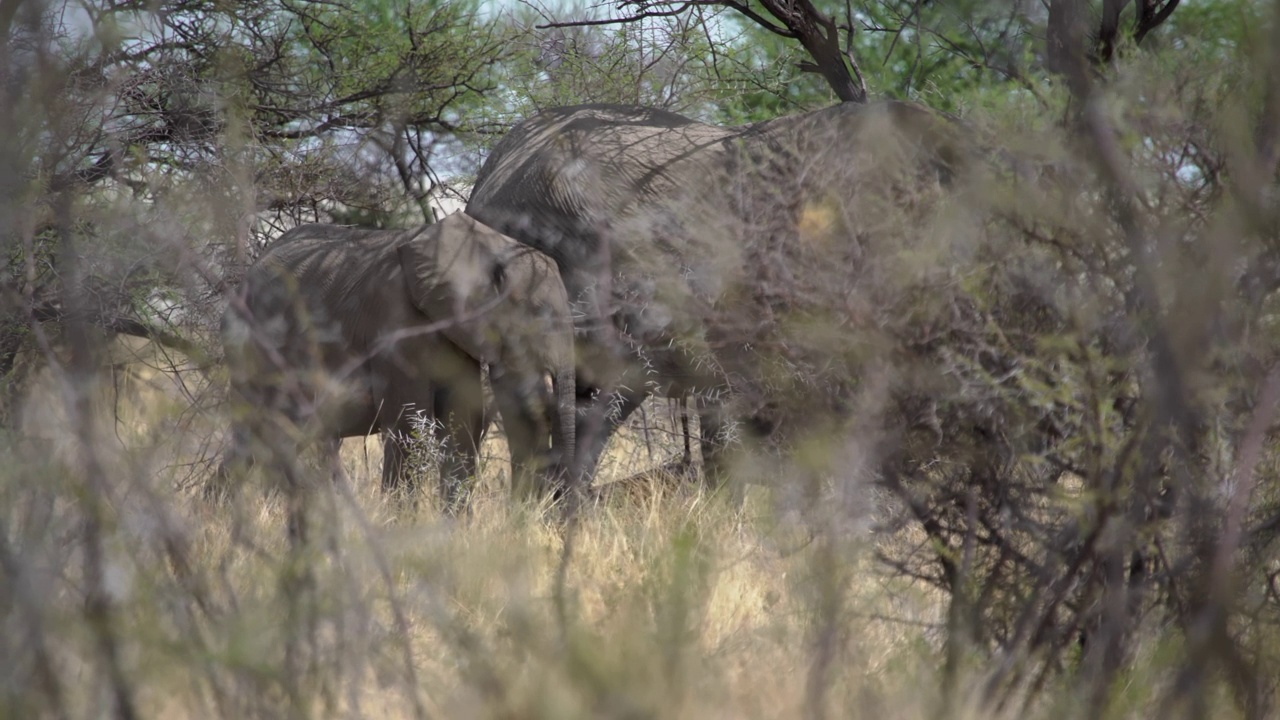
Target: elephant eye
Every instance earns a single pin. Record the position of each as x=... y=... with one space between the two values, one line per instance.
x=499 y=275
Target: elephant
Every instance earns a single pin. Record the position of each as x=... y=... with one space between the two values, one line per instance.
x=344 y=332
x=686 y=247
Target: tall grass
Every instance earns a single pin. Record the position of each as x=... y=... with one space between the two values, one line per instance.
x=673 y=604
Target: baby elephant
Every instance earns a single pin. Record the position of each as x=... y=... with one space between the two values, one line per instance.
x=341 y=332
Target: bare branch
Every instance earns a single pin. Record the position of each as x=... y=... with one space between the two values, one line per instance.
x=757 y=18
x=617 y=20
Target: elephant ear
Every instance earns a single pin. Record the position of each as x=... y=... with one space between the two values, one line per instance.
x=450 y=272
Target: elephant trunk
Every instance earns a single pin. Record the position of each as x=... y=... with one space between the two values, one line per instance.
x=564 y=423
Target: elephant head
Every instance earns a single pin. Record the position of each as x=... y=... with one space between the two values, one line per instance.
x=503 y=304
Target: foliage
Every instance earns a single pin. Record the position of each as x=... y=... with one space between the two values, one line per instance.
x=1049 y=385
x=1094 y=456
x=936 y=53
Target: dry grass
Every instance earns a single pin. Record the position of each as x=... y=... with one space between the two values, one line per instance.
x=679 y=607
x=677 y=604
x=672 y=603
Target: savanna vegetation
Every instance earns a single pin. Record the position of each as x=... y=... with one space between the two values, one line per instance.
x=1054 y=490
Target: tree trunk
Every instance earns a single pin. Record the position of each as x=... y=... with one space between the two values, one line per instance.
x=820 y=36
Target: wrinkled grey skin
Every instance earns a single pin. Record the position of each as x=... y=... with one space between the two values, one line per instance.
x=662 y=225
x=347 y=331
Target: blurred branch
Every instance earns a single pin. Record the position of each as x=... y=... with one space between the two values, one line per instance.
x=8 y=11
x=1067 y=47
x=52 y=310
x=1064 y=45
x=18 y=587
x=1209 y=635
x=99 y=606
x=1124 y=198
x=1243 y=480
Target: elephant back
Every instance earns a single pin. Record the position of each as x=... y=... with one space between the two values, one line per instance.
x=319 y=232
x=315 y=280
x=560 y=180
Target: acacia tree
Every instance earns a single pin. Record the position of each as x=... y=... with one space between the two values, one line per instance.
x=157 y=137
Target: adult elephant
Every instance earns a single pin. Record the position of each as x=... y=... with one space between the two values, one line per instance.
x=703 y=259
x=343 y=332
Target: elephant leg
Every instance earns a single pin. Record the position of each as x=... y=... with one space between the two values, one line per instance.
x=254 y=413
x=396 y=431
x=394 y=455
x=331 y=459
x=460 y=407
x=236 y=462
x=711 y=442
x=405 y=399
x=598 y=418
x=686 y=460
